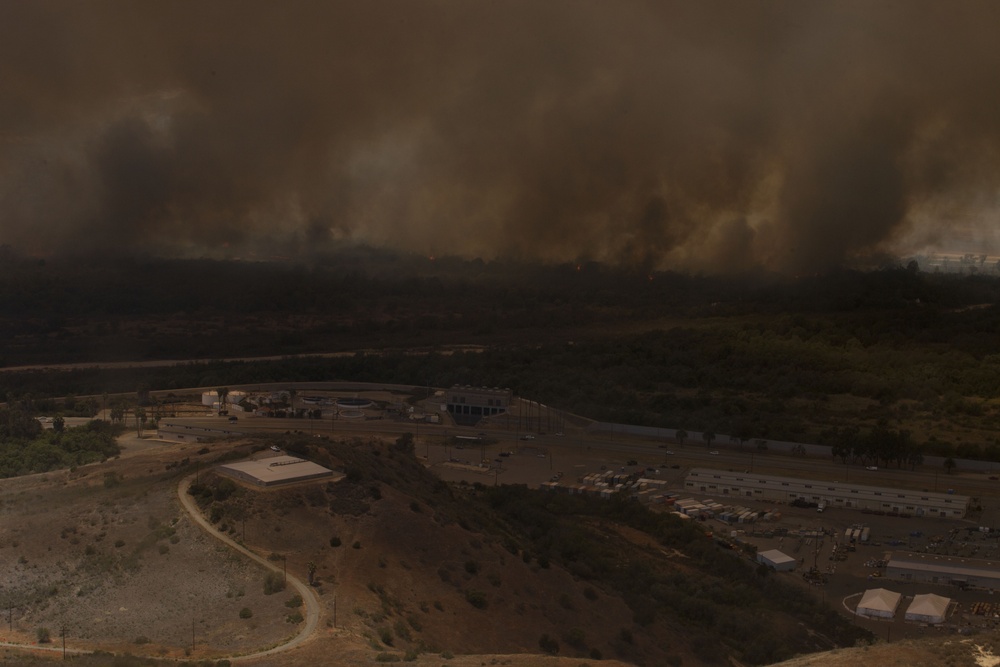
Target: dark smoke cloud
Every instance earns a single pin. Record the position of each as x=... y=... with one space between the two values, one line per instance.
x=705 y=136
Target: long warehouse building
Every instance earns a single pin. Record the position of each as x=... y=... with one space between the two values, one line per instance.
x=834 y=494
x=936 y=569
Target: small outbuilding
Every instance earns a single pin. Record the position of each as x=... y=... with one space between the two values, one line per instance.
x=928 y=608
x=777 y=560
x=879 y=603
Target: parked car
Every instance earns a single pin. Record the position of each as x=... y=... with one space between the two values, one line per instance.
x=632 y=462
x=714 y=453
x=275 y=448
x=871 y=467
x=232 y=420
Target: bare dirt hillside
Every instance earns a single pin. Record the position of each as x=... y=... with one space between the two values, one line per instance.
x=402 y=573
x=953 y=651
x=107 y=553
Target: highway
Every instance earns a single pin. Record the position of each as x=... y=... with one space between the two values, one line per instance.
x=618 y=449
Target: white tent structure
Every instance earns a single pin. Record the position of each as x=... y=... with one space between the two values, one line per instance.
x=928 y=608
x=777 y=560
x=879 y=603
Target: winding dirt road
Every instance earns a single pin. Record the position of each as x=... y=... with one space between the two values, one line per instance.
x=308 y=595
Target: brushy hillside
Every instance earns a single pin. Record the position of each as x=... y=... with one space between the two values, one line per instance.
x=418 y=566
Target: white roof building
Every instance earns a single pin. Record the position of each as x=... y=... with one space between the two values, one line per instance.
x=276 y=470
x=886 y=500
x=779 y=561
x=879 y=603
x=928 y=608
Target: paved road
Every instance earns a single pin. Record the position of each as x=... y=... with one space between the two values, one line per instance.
x=646 y=451
x=308 y=595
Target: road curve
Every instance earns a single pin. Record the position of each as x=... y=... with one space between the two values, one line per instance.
x=308 y=595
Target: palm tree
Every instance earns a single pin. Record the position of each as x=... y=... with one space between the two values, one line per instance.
x=223 y=393
x=708 y=437
x=680 y=434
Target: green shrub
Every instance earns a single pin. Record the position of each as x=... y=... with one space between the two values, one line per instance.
x=387 y=657
x=119 y=543
x=471 y=566
x=477 y=599
x=294 y=601
x=246 y=612
x=548 y=644
x=576 y=638
x=274 y=582
x=402 y=631
x=335 y=541
x=43 y=635
x=295 y=618
x=385 y=634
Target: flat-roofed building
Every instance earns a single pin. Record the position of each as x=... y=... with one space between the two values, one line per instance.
x=778 y=560
x=748 y=485
x=936 y=569
x=275 y=471
x=467 y=405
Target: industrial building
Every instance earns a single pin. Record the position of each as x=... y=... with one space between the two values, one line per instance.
x=928 y=608
x=879 y=603
x=935 y=569
x=275 y=471
x=467 y=405
x=833 y=494
x=775 y=559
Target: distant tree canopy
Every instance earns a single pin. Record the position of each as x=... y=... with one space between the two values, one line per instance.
x=42 y=451
x=754 y=357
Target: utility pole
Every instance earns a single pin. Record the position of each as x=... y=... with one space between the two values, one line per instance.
x=63 y=632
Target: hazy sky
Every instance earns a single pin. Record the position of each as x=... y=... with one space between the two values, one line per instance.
x=685 y=135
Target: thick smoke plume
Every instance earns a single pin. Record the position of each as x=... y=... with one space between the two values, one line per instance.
x=695 y=135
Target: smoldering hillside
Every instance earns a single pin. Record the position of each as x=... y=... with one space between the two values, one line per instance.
x=666 y=135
